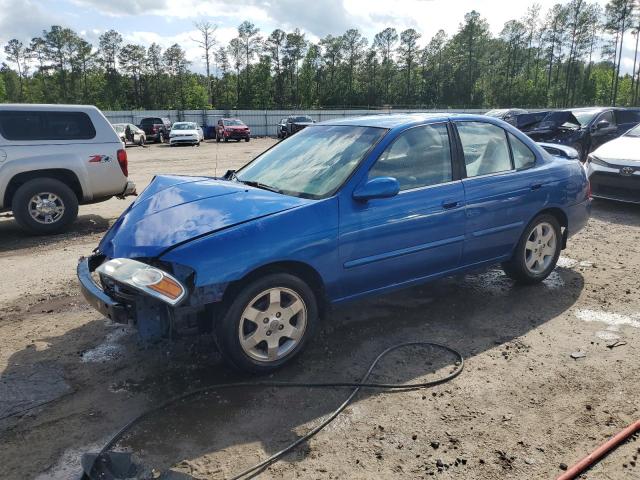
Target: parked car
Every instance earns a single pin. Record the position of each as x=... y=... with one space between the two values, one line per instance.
x=342 y=210
x=55 y=157
x=185 y=133
x=584 y=129
x=507 y=114
x=295 y=123
x=560 y=151
x=137 y=134
x=281 y=128
x=614 y=168
x=156 y=129
x=232 y=129
x=200 y=133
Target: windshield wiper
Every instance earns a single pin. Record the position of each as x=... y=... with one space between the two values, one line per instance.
x=263 y=186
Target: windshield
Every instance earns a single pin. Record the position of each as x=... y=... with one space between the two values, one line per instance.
x=119 y=128
x=634 y=132
x=495 y=113
x=584 y=116
x=184 y=126
x=233 y=122
x=302 y=119
x=314 y=162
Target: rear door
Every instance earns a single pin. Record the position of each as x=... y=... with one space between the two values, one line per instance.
x=503 y=190
x=414 y=235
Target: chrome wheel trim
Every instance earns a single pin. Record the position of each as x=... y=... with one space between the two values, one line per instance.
x=272 y=324
x=46 y=208
x=540 y=248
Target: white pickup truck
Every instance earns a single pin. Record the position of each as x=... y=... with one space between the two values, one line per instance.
x=54 y=158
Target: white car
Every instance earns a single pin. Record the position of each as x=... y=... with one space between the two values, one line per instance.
x=614 y=168
x=55 y=157
x=185 y=133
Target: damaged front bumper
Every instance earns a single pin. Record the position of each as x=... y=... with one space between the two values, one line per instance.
x=124 y=294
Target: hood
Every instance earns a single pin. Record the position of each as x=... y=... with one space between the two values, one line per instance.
x=554 y=120
x=236 y=127
x=173 y=210
x=620 y=151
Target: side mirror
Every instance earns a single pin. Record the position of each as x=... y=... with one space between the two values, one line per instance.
x=379 y=187
x=602 y=124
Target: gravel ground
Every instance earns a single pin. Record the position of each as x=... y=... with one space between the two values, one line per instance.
x=522 y=407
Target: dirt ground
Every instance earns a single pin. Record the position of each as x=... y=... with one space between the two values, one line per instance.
x=521 y=408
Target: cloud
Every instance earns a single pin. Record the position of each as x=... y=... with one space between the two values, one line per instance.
x=125 y=7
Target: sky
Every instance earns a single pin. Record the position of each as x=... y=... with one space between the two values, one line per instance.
x=172 y=21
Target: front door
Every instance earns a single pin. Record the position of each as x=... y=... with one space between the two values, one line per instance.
x=414 y=235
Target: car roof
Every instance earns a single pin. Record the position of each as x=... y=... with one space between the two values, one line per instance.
x=46 y=107
x=401 y=119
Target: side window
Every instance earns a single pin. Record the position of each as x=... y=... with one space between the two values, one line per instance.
x=32 y=125
x=485 y=148
x=522 y=156
x=608 y=116
x=419 y=157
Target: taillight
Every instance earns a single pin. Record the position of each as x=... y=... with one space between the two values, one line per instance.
x=122 y=160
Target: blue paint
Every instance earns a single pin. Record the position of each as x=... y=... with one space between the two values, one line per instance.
x=364 y=239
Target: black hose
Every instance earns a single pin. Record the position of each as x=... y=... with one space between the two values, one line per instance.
x=251 y=472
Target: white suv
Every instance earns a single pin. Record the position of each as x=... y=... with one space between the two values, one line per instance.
x=55 y=157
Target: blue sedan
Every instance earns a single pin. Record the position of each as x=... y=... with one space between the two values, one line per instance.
x=340 y=211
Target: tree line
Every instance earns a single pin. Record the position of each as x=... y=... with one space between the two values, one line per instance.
x=568 y=56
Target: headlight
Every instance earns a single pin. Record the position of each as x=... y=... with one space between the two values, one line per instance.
x=593 y=159
x=145 y=278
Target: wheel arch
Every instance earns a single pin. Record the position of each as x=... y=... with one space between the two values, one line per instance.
x=63 y=175
x=562 y=218
x=302 y=270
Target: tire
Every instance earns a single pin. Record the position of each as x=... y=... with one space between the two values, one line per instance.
x=141 y=142
x=300 y=325
x=226 y=139
x=247 y=139
x=523 y=267
x=55 y=192
x=161 y=138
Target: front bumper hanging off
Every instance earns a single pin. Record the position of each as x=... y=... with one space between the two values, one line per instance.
x=95 y=295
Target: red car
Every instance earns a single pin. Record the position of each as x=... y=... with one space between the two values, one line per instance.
x=232 y=128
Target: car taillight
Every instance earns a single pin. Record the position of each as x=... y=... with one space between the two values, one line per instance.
x=122 y=160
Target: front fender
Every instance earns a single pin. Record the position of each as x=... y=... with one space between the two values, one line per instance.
x=308 y=235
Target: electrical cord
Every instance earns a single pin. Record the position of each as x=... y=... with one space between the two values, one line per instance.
x=256 y=469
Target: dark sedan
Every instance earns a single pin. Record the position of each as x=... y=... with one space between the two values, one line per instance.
x=295 y=123
x=584 y=129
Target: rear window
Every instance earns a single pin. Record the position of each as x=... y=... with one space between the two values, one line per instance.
x=151 y=121
x=34 y=125
x=627 y=116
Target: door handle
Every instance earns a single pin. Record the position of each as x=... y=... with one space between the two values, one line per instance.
x=448 y=204
x=536 y=186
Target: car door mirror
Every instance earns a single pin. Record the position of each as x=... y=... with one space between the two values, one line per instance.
x=602 y=124
x=379 y=187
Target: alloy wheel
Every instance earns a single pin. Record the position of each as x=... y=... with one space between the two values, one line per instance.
x=540 y=248
x=272 y=324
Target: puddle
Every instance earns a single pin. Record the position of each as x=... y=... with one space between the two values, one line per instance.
x=613 y=320
x=68 y=466
x=110 y=349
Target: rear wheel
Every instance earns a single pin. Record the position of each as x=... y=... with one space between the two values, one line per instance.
x=537 y=251
x=268 y=323
x=44 y=206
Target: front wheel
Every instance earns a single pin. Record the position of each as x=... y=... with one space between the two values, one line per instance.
x=268 y=323
x=247 y=139
x=537 y=251
x=44 y=206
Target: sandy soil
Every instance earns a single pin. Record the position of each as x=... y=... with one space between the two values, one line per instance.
x=522 y=407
